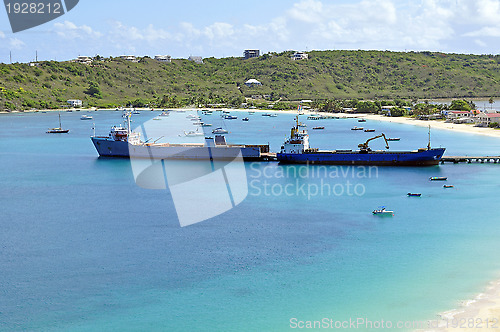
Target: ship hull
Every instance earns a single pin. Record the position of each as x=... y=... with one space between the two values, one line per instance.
x=107 y=147
x=373 y=158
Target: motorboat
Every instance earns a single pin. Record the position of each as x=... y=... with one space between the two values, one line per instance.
x=438 y=178
x=382 y=211
x=219 y=130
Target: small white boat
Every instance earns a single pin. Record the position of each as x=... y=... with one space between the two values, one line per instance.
x=203 y=124
x=219 y=131
x=245 y=119
x=193 y=133
x=273 y=115
x=381 y=211
x=357 y=128
x=164 y=114
x=136 y=112
x=438 y=178
x=86 y=117
x=230 y=117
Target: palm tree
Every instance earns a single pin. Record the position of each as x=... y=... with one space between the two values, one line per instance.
x=491 y=101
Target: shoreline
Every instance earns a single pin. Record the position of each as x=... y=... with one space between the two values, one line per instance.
x=434 y=124
x=460 y=128
x=483 y=312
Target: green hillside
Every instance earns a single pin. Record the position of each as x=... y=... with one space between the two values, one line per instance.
x=326 y=75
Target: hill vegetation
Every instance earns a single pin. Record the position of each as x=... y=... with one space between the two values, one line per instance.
x=326 y=77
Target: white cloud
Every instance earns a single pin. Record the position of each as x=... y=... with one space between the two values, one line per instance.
x=16 y=43
x=219 y=30
x=70 y=30
x=484 y=32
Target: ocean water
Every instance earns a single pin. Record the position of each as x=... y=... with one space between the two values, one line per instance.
x=83 y=248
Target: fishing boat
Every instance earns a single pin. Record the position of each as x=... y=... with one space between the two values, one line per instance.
x=438 y=178
x=266 y=114
x=369 y=130
x=219 y=130
x=59 y=129
x=448 y=186
x=361 y=120
x=414 y=195
x=357 y=128
x=245 y=119
x=393 y=139
x=318 y=128
x=296 y=150
x=86 y=117
x=203 y=124
x=382 y=211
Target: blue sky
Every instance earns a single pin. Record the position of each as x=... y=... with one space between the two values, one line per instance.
x=225 y=28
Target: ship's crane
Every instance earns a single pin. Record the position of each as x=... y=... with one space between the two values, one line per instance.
x=364 y=146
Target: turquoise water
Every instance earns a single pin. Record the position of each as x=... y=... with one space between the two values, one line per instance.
x=83 y=248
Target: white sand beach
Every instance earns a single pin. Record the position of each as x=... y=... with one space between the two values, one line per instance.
x=479 y=314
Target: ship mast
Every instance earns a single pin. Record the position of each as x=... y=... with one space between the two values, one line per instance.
x=429 y=144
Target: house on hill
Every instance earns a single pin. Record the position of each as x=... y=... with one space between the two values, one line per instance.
x=131 y=58
x=86 y=60
x=248 y=54
x=252 y=82
x=196 y=59
x=163 y=58
x=300 y=56
x=75 y=103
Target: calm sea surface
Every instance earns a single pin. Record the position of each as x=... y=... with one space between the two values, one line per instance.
x=83 y=248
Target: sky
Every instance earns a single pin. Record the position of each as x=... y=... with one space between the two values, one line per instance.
x=226 y=28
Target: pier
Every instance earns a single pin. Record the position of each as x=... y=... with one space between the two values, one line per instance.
x=470 y=159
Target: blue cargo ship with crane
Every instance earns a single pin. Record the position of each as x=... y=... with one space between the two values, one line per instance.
x=296 y=150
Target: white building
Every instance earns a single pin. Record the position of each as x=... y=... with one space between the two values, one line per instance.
x=86 y=60
x=163 y=58
x=484 y=119
x=131 y=58
x=454 y=115
x=300 y=56
x=75 y=103
x=252 y=82
x=196 y=59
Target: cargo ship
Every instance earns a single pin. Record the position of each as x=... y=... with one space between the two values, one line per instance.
x=296 y=150
x=122 y=142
